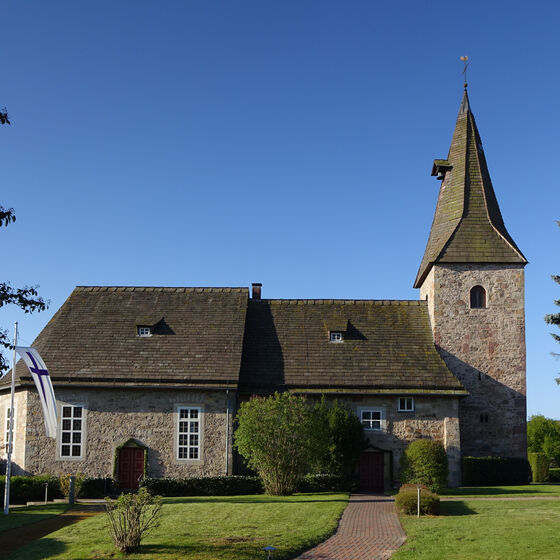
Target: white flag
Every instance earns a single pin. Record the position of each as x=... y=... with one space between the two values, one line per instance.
x=42 y=379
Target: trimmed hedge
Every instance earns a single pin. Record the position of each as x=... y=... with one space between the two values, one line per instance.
x=327 y=483
x=539 y=466
x=553 y=475
x=424 y=461
x=406 y=500
x=25 y=489
x=490 y=471
x=240 y=485
x=96 y=488
x=203 y=486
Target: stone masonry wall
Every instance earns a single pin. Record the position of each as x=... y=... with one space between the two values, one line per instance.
x=113 y=416
x=485 y=349
x=434 y=417
x=20 y=405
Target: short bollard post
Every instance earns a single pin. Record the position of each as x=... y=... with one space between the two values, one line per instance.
x=46 y=492
x=71 y=490
x=418 y=504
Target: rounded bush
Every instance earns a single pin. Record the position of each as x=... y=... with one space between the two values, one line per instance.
x=424 y=461
x=406 y=501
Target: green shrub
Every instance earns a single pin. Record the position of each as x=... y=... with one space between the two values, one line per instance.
x=489 y=471
x=406 y=501
x=25 y=489
x=96 y=487
x=553 y=475
x=539 y=466
x=65 y=484
x=204 y=486
x=327 y=483
x=131 y=516
x=424 y=461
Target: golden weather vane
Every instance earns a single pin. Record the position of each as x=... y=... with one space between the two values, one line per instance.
x=465 y=60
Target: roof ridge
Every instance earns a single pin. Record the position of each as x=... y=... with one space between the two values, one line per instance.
x=326 y=301
x=218 y=289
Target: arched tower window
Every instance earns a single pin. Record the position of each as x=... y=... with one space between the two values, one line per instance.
x=478 y=297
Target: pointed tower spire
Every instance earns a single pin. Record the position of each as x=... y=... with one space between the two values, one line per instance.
x=468 y=225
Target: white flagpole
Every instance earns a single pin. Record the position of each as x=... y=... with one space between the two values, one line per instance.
x=11 y=430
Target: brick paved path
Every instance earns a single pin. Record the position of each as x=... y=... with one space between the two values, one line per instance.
x=369 y=530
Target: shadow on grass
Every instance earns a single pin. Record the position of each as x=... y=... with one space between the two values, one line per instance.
x=38 y=550
x=455 y=509
x=239 y=551
x=501 y=490
x=249 y=500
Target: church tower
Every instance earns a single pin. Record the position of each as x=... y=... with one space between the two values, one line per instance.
x=472 y=278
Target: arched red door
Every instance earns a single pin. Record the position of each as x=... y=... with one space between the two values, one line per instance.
x=131 y=466
x=371 y=472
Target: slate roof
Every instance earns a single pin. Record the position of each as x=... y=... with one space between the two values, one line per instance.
x=197 y=337
x=388 y=347
x=468 y=225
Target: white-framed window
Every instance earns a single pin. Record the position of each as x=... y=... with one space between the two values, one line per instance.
x=7 y=429
x=72 y=431
x=189 y=433
x=336 y=336
x=144 y=331
x=405 y=404
x=373 y=419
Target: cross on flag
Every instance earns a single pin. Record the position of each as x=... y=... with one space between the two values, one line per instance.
x=42 y=380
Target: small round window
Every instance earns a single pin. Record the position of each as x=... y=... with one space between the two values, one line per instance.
x=478 y=297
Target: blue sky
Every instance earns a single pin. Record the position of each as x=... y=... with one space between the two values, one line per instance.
x=290 y=143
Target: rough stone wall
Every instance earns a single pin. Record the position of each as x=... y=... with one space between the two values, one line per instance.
x=485 y=349
x=112 y=416
x=434 y=417
x=20 y=405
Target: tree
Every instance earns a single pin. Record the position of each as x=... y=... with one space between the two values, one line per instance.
x=25 y=298
x=554 y=318
x=424 y=461
x=280 y=437
x=543 y=436
x=343 y=435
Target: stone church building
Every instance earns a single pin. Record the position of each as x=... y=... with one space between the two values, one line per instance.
x=148 y=379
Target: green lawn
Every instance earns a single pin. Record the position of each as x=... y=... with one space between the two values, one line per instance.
x=208 y=528
x=492 y=530
x=23 y=516
x=524 y=490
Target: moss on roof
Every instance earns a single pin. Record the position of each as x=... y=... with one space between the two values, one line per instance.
x=468 y=225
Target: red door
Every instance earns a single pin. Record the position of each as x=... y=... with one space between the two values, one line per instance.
x=131 y=466
x=370 y=472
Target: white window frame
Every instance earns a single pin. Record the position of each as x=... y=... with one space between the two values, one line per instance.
x=183 y=438
x=367 y=422
x=7 y=430
x=336 y=337
x=144 y=331
x=72 y=431
x=406 y=408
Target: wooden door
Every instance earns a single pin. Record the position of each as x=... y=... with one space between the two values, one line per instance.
x=370 y=472
x=131 y=466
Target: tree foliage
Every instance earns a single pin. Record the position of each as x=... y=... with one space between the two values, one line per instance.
x=543 y=436
x=25 y=298
x=554 y=318
x=279 y=436
x=344 y=438
x=424 y=461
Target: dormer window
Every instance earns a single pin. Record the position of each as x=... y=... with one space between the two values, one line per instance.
x=144 y=331
x=336 y=336
x=478 y=297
